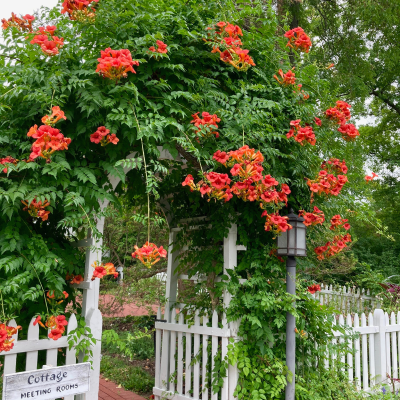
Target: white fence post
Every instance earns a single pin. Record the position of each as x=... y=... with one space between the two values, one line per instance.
x=230 y=263
x=380 y=346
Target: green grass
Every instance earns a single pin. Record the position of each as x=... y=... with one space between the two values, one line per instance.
x=130 y=378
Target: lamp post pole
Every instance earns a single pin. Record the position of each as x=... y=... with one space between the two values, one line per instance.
x=292 y=243
x=290 y=327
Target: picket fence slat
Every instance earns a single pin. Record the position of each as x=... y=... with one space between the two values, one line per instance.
x=179 y=377
x=70 y=357
x=394 y=373
x=371 y=344
x=188 y=367
x=224 y=353
x=10 y=360
x=398 y=345
x=214 y=350
x=158 y=352
x=357 y=357
x=165 y=351
x=365 y=366
x=341 y=341
x=334 y=342
x=32 y=356
x=350 y=347
x=196 y=351
x=204 y=387
x=387 y=340
x=172 y=363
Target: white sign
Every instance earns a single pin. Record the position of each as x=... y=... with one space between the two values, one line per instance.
x=47 y=384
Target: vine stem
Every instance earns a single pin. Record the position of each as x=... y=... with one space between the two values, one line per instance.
x=40 y=282
x=148 y=195
x=147 y=180
x=52 y=98
x=2 y=306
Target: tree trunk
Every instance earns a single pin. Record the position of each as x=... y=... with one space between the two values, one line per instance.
x=294 y=9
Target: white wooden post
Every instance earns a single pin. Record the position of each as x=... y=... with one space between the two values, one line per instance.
x=230 y=262
x=170 y=294
x=380 y=346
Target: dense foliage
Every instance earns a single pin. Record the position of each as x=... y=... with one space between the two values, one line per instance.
x=164 y=105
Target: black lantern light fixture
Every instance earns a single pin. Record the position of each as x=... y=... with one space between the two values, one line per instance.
x=292 y=243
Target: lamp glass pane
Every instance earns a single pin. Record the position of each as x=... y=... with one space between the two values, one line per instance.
x=292 y=238
x=282 y=243
x=301 y=237
x=301 y=252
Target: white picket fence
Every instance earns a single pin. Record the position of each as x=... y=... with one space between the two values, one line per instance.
x=32 y=345
x=347 y=299
x=183 y=362
x=373 y=354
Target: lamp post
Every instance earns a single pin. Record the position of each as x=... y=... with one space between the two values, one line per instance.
x=292 y=243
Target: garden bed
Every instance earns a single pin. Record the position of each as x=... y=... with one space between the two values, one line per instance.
x=132 y=366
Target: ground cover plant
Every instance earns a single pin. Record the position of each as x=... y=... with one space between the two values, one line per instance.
x=226 y=117
x=128 y=353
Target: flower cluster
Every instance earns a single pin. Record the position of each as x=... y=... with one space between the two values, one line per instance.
x=225 y=36
x=24 y=23
x=6 y=334
x=56 y=115
x=326 y=182
x=74 y=279
x=334 y=164
x=275 y=223
x=51 y=296
x=115 y=64
x=149 y=254
x=337 y=222
x=48 y=139
x=302 y=333
x=334 y=247
x=36 y=209
x=7 y=160
x=298 y=39
x=312 y=218
x=301 y=134
x=101 y=270
x=161 y=47
x=49 y=43
x=367 y=177
x=314 y=288
x=249 y=184
x=79 y=10
x=56 y=325
x=289 y=78
x=206 y=124
x=102 y=136
x=341 y=114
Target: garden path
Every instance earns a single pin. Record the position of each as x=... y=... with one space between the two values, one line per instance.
x=126 y=309
x=110 y=391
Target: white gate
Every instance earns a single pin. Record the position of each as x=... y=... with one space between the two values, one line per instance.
x=184 y=365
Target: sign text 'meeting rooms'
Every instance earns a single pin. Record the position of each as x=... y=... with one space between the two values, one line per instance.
x=47 y=384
